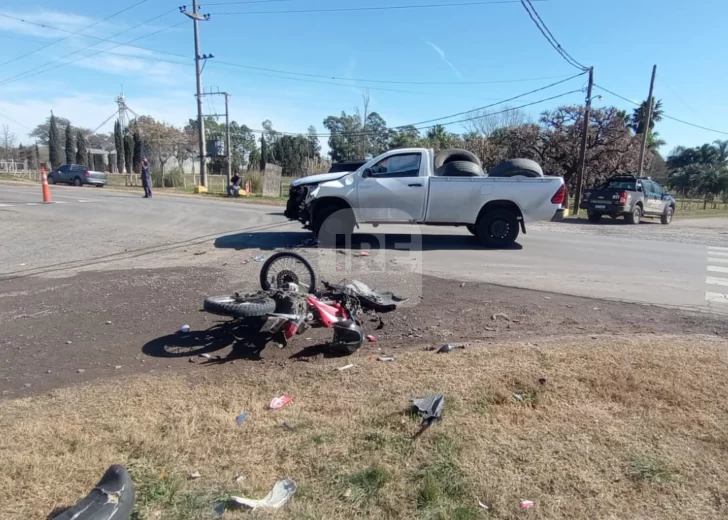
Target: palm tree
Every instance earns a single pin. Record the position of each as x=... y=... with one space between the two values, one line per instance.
x=639 y=116
x=721 y=148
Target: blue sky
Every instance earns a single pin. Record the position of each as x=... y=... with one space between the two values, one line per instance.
x=475 y=43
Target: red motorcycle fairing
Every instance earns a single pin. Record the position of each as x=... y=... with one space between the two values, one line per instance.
x=328 y=314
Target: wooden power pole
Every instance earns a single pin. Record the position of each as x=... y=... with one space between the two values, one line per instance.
x=582 y=150
x=646 y=129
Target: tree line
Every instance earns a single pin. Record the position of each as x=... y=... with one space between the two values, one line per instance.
x=552 y=139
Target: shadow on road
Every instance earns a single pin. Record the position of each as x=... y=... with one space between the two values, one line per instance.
x=313 y=351
x=267 y=240
x=246 y=341
x=605 y=221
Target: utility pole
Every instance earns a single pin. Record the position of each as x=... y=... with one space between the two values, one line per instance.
x=196 y=17
x=646 y=130
x=228 y=151
x=584 y=136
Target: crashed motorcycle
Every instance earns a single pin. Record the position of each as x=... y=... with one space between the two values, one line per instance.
x=289 y=303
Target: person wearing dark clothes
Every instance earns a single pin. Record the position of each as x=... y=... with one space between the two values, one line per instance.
x=234 y=186
x=146 y=178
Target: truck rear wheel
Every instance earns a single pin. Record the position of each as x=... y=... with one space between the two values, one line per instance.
x=473 y=229
x=635 y=216
x=498 y=228
x=333 y=225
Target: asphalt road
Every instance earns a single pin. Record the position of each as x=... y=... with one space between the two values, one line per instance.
x=95 y=229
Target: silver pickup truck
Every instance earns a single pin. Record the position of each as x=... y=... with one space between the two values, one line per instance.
x=419 y=186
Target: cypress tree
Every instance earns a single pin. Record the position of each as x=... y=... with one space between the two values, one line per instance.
x=81 y=150
x=70 y=147
x=54 y=143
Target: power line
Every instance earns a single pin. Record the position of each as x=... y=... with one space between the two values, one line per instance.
x=42 y=68
x=510 y=109
x=663 y=82
x=498 y=103
x=14 y=121
x=543 y=28
x=247 y=2
x=663 y=115
x=71 y=33
x=377 y=8
x=383 y=81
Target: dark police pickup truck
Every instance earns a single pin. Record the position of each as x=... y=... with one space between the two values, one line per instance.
x=629 y=196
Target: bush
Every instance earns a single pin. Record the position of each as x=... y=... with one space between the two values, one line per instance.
x=256 y=181
x=172 y=178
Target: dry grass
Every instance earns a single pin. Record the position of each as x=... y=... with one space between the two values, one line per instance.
x=629 y=429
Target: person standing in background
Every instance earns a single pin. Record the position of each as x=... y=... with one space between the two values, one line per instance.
x=146 y=178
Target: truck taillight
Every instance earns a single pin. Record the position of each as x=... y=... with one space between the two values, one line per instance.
x=623 y=198
x=559 y=196
x=85 y=174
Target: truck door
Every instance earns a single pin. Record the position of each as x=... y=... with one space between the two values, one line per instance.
x=660 y=196
x=653 y=203
x=394 y=189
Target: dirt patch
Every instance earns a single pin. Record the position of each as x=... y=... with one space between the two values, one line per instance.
x=618 y=428
x=115 y=323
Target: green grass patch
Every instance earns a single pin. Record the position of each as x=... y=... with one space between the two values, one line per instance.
x=650 y=469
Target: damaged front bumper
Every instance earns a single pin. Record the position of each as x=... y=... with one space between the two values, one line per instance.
x=298 y=206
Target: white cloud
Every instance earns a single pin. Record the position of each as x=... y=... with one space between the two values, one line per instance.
x=441 y=53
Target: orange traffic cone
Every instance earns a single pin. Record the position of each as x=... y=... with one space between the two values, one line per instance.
x=46 y=189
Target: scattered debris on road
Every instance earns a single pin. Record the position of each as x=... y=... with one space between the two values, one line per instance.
x=240 y=419
x=195 y=475
x=371 y=339
x=259 y=258
x=200 y=253
x=184 y=329
x=448 y=348
x=80 y=371
x=385 y=358
x=527 y=504
x=500 y=315
x=346 y=367
x=482 y=506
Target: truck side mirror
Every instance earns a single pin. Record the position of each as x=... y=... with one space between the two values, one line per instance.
x=366 y=173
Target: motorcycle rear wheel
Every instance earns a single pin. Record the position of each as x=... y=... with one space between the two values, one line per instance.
x=288 y=267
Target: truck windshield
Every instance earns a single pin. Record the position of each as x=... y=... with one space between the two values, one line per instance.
x=621 y=184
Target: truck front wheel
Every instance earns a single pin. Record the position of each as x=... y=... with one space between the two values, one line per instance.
x=333 y=226
x=498 y=228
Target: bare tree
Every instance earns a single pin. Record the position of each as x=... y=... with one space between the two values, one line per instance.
x=7 y=139
x=488 y=121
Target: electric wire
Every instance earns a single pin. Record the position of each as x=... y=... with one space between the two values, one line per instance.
x=72 y=33
x=374 y=8
x=543 y=28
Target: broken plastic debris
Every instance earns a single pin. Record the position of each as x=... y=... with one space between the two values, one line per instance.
x=240 y=419
x=206 y=356
x=277 y=498
x=519 y=397
x=385 y=358
x=429 y=408
x=346 y=367
x=364 y=253
x=195 y=475
x=184 y=328
x=259 y=258
x=482 y=506
x=239 y=478
x=500 y=315
x=447 y=348
x=527 y=504
x=279 y=402
x=371 y=339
